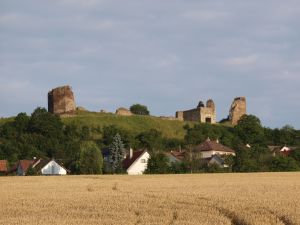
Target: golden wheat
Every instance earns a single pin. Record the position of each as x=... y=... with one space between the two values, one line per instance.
x=261 y=198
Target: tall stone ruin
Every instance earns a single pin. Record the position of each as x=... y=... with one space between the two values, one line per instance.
x=237 y=110
x=203 y=113
x=61 y=100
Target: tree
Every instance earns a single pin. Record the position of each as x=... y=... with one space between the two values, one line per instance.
x=158 y=164
x=90 y=161
x=151 y=140
x=44 y=123
x=250 y=130
x=139 y=109
x=117 y=153
x=283 y=163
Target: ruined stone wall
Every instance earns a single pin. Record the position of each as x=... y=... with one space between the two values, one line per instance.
x=237 y=110
x=61 y=100
x=200 y=114
x=123 y=112
x=192 y=115
x=207 y=115
x=179 y=115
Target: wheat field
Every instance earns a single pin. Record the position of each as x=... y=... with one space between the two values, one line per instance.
x=259 y=198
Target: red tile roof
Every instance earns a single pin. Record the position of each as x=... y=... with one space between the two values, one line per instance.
x=212 y=145
x=178 y=155
x=3 y=166
x=127 y=162
x=25 y=164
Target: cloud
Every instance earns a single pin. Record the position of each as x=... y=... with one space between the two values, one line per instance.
x=204 y=15
x=165 y=54
x=242 y=60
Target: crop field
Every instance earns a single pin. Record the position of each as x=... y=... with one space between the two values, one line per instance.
x=258 y=198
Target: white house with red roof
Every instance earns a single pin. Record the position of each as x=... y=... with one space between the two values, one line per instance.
x=41 y=166
x=210 y=148
x=135 y=163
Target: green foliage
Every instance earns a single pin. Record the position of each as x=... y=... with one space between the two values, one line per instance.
x=45 y=135
x=90 y=161
x=158 y=164
x=200 y=132
x=117 y=152
x=243 y=162
x=250 y=131
x=151 y=140
x=179 y=167
x=139 y=109
x=283 y=163
x=45 y=123
x=31 y=171
x=133 y=125
x=109 y=132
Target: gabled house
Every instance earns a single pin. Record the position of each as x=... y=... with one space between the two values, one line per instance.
x=41 y=166
x=23 y=166
x=135 y=163
x=210 y=148
x=281 y=150
x=50 y=167
x=175 y=156
x=216 y=159
x=3 y=167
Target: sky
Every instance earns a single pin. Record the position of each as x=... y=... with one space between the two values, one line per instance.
x=165 y=54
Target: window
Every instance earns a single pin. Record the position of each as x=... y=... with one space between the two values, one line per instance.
x=143 y=160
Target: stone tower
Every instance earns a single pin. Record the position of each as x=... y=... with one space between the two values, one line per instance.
x=237 y=110
x=61 y=100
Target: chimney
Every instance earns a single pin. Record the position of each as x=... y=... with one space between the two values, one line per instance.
x=130 y=153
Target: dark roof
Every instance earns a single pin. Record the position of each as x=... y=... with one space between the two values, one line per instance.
x=41 y=164
x=209 y=145
x=3 y=166
x=127 y=162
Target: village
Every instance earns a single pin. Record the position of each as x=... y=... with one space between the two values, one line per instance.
x=210 y=153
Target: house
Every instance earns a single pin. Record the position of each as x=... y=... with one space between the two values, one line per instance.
x=41 y=166
x=210 y=148
x=216 y=159
x=281 y=150
x=135 y=163
x=50 y=167
x=3 y=167
x=175 y=156
x=23 y=166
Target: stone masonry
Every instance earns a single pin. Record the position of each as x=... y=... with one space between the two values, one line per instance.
x=123 y=112
x=237 y=110
x=61 y=100
x=204 y=114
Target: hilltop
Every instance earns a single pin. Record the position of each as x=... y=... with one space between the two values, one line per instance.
x=135 y=123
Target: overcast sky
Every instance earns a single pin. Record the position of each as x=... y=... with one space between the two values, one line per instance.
x=166 y=54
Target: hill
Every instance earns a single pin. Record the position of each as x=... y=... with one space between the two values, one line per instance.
x=135 y=123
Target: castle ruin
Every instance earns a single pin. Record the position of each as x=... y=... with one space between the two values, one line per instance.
x=203 y=114
x=61 y=100
x=123 y=112
x=237 y=110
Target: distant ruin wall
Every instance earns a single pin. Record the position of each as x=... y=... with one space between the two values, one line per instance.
x=200 y=114
x=237 y=110
x=123 y=112
x=61 y=100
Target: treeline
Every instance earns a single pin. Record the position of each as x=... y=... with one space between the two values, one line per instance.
x=44 y=135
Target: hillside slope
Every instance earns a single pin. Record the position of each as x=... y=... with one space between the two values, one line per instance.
x=135 y=123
